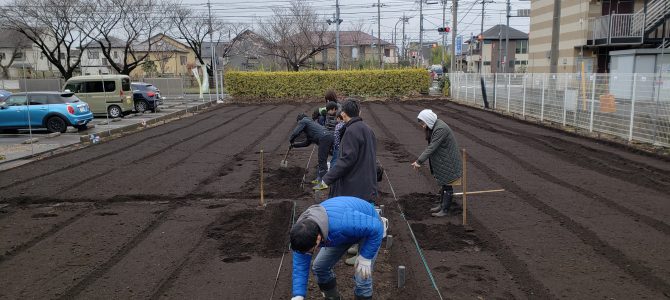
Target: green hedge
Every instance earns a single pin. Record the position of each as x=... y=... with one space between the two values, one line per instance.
x=370 y=83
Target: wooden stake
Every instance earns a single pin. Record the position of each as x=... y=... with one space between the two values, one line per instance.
x=480 y=192
x=261 y=180
x=465 y=190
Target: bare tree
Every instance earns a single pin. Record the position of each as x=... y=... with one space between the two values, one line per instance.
x=194 y=29
x=54 y=26
x=126 y=26
x=296 y=34
x=16 y=43
x=163 y=52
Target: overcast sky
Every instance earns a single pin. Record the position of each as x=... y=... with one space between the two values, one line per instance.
x=356 y=11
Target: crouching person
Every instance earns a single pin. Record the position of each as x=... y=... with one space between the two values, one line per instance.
x=327 y=230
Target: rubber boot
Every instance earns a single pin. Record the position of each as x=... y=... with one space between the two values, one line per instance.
x=438 y=202
x=447 y=197
x=357 y=297
x=329 y=290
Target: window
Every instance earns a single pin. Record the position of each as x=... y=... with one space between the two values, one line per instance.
x=354 y=52
x=38 y=99
x=18 y=56
x=125 y=84
x=93 y=54
x=105 y=62
x=61 y=55
x=16 y=100
x=97 y=87
x=521 y=47
x=116 y=54
x=2 y=55
x=182 y=60
x=74 y=87
x=487 y=63
x=387 y=52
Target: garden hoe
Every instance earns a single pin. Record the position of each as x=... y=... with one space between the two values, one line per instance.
x=284 y=162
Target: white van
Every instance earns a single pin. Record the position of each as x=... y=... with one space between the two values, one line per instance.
x=105 y=94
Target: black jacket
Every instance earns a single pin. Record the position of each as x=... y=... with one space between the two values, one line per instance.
x=355 y=173
x=313 y=130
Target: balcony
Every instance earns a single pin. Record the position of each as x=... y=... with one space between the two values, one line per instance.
x=617 y=29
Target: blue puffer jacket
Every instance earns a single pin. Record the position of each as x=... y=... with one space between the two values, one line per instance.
x=347 y=220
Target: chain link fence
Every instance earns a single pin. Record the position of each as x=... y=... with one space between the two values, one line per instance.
x=634 y=107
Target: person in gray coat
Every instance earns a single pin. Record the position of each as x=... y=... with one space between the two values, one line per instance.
x=445 y=159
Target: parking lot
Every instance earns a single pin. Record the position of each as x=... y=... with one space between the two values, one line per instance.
x=22 y=147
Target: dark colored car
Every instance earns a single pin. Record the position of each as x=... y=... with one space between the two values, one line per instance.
x=146 y=96
x=54 y=111
x=4 y=95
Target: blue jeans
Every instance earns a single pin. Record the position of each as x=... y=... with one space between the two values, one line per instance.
x=325 y=261
x=334 y=159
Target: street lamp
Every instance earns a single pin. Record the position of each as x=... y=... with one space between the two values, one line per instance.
x=395 y=30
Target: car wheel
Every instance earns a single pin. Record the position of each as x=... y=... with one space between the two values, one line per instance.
x=56 y=124
x=114 y=112
x=81 y=127
x=141 y=106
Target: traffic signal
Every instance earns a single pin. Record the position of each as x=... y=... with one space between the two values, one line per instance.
x=443 y=29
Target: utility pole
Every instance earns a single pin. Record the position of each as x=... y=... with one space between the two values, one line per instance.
x=481 y=43
x=506 y=39
x=420 y=60
x=379 y=34
x=444 y=34
x=337 y=34
x=211 y=45
x=454 y=32
x=404 y=50
x=555 y=32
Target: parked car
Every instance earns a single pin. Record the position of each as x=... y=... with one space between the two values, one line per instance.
x=146 y=96
x=436 y=72
x=106 y=94
x=54 y=111
x=4 y=95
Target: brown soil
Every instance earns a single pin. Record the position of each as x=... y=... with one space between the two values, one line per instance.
x=172 y=212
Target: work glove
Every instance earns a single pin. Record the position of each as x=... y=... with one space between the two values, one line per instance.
x=363 y=267
x=298 y=298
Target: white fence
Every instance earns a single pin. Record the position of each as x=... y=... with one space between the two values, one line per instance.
x=635 y=107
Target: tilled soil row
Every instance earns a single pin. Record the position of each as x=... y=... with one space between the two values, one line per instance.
x=171 y=212
x=578 y=218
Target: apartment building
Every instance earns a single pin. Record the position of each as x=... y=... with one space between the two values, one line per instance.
x=590 y=30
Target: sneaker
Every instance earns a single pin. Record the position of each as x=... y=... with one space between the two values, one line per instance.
x=350 y=261
x=315 y=181
x=441 y=213
x=320 y=186
x=436 y=208
x=353 y=250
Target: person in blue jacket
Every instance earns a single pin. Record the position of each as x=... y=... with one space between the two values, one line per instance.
x=332 y=227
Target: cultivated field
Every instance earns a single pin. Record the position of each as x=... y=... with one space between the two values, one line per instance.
x=171 y=212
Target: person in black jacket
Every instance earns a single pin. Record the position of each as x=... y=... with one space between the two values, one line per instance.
x=316 y=134
x=355 y=173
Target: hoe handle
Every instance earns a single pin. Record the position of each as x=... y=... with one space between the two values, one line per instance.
x=287 y=151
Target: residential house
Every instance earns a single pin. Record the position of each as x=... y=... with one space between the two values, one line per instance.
x=20 y=57
x=489 y=53
x=94 y=62
x=168 y=56
x=245 y=52
x=590 y=30
x=357 y=48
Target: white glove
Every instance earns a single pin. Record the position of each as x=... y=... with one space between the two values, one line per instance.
x=363 y=267
x=298 y=298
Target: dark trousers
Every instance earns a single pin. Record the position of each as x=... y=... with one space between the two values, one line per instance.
x=446 y=197
x=325 y=144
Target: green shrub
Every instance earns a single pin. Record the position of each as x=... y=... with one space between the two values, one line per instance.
x=374 y=83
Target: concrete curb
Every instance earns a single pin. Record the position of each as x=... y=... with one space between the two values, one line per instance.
x=133 y=127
